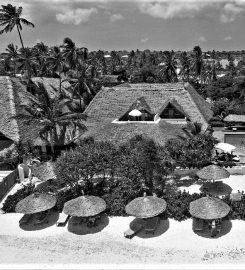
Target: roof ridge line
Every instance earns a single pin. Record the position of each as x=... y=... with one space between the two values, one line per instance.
x=12 y=105
x=193 y=100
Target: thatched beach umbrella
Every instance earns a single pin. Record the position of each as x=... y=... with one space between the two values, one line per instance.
x=226 y=147
x=146 y=206
x=209 y=208
x=36 y=202
x=84 y=206
x=44 y=171
x=213 y=172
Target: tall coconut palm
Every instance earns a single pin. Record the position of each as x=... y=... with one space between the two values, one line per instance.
x=57 y=62
x=48 y=112
x=10 y=17
x=170 y=66
x=27 y=62
x=42 y=51
x=185 y=66
x=197 y=61
x=73 y=55
x=12 y=52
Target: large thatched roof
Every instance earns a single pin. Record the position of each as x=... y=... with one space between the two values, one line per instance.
x=8 y=126
x=52 y=85
x=234 y=118
x=209 y=208
x=112 y=103
x=120 y=133
x=13 y=94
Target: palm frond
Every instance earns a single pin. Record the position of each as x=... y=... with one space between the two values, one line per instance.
x=24 y=21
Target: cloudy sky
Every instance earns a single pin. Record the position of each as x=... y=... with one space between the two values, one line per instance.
x=142 y=24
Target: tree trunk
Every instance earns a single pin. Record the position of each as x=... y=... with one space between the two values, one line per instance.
x=14 y=69
x=52 y=142
x=60 y=81
x=20 y=37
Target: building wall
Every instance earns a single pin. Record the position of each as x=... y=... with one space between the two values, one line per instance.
x=7 y=182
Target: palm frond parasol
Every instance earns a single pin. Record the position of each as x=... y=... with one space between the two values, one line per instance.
x=213 y=172
x=44 y=171
x=146 y=206
x=209 y=208
x=226 y=147
x=84 y=206
x=36 y=202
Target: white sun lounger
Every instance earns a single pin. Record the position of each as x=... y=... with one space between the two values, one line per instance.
x=133 y=231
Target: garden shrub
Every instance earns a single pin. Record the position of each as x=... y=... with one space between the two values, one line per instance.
x=65 y=195
x=120 y=194
x=12 y=200
x=178 y=204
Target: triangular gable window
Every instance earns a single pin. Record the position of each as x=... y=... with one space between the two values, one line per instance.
x=140 y=106
x=171 y=112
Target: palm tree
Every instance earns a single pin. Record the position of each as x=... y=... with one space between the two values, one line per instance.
x=12 y=55
x=193 y=129
x=27 y=62
x=57 y=62
x=42 y=51
x=185 y=66
x=170 y=66
x=48 y=113
x=73 y=55
x=10 y=17
x=197 y=61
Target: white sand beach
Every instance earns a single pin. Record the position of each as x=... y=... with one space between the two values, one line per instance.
x=173 y=243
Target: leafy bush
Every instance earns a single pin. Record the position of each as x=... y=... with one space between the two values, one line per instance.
x=12 y=200
x=217 y=124
x=178 y=204
x=121 y=192
x=65 y=195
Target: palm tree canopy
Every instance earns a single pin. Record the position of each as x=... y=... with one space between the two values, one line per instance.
x=10 y=17
x=12 y=51
x=49 y=113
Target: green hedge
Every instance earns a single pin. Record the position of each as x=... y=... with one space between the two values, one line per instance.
x=12 y=200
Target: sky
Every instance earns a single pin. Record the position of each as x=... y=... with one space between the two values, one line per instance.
x=136 y=24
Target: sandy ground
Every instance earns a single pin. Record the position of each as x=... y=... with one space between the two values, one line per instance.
x=173 y=243
x=234 y=183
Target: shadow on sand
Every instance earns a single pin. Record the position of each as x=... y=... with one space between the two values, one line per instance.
x=162 y=227
x=82 y=229
x=226 y=227
x=52 y=219
x=226 y=190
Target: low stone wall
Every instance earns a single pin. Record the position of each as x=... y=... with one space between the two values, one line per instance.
x=7 y=183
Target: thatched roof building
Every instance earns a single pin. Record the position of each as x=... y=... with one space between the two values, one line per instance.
x=108 y=111
x=53 y=85
x=13 y=93
x=235 y=118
